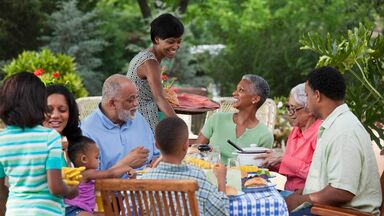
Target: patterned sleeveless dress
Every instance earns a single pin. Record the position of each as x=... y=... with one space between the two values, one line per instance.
x=147 y=104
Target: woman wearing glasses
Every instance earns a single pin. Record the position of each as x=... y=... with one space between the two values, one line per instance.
x=297 y=158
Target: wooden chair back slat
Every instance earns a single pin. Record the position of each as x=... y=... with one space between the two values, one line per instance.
x=165 y=203
x=185 y=204
x=126 y=201
x=145 y=200
x=140 y=202
x=159 y=206
x=193 y=203
x=148 y=197
x=134 y=204
x=171 y=203
x=178 y=205
x=114 y=204
x=151 y=200
x=120 y=203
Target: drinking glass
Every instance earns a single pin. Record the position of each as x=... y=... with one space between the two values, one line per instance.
x=214 y=157
x=234 y=173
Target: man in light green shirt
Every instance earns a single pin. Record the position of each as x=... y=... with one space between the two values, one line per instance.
x=343 y=171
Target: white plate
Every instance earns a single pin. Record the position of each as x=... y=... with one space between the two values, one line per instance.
x=258 y=189
x=238 y=194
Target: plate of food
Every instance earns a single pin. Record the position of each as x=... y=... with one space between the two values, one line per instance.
x=257 y=184
x=232 y=192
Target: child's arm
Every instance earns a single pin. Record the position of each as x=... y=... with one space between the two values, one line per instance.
x=3 y=194
x=114 y=172
x=57 y=187
x=220 y=172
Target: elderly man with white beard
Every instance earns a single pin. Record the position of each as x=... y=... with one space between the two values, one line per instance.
x=119 y=130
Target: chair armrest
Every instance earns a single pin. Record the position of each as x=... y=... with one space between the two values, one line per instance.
x=321 y=209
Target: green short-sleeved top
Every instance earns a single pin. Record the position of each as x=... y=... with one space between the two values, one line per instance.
x=220 y=127
x=344 y=159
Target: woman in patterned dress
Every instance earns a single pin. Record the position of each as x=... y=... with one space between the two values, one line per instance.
x=144 y=68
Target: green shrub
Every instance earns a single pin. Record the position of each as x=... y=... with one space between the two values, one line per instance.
x=361 y=58
x=51 y=68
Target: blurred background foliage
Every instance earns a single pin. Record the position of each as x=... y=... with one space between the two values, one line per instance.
x=360 y=55
x=50 y=67
x=258 y=36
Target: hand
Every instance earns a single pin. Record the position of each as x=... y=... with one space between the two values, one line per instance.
x=119 y=170
x=135 y=158
x=220 y=171
x=271 y=157
x=293 y=201
x=131 y=173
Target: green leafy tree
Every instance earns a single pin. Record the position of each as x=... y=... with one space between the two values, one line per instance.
x=261 y=36
x=75 y=33
x=51 y=68
x=361 y=58
x=21 y=23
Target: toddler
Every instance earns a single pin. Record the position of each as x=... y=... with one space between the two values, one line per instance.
x=83 y=151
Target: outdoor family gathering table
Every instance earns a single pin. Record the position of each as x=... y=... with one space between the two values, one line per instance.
x=267 y=202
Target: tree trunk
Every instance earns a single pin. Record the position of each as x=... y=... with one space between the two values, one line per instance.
x=145 y=10
x=183 y=6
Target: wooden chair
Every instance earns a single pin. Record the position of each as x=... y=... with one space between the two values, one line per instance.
x=266 y=113
x=320 y=209
x=148 y=197
x=87 y=105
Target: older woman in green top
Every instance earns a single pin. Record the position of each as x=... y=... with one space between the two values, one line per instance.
x=242 y=127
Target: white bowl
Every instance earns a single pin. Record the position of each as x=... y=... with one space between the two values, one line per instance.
x=247 y=158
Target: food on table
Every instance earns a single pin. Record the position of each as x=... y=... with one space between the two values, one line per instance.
x=193 y=150
x=146 y=169
x=198 y=162
x=255 y=182
x=171 y=96
x=72 y=176
x=230 y=191
x=249 y=168
x=244 y=174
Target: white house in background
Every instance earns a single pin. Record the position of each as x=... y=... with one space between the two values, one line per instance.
x=212 y=49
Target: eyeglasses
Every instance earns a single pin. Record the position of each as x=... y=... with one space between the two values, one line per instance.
x=292 y=110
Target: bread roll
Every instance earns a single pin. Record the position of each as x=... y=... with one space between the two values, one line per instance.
x=255 y=182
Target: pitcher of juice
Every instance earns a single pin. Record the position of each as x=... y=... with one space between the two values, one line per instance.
x=234 y=173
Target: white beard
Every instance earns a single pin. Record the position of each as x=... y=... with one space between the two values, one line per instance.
x=126 y=115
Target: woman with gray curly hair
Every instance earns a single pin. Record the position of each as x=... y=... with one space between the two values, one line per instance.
x=241 y=127
x=301 y=144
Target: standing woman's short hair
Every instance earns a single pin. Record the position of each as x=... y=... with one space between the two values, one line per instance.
x=23 y=100
x=166 y=26
x=72 y=129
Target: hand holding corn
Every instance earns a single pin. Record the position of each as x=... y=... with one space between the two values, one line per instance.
x=72 y=176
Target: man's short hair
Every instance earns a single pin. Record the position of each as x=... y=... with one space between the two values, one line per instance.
x=328 y=81
x=112 y=86
x=170 y=134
